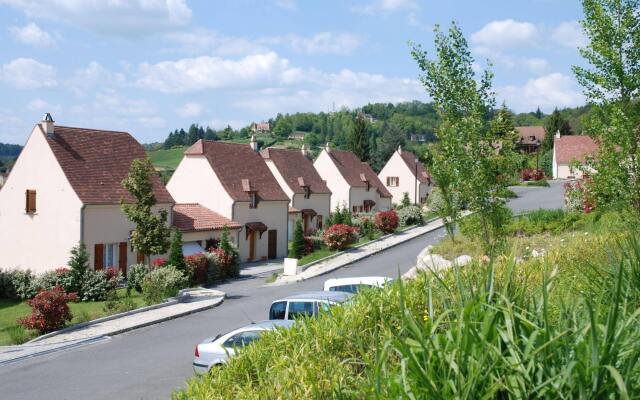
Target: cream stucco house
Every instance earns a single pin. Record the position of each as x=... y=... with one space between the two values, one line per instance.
x=201 y=227
x=569 y=149
x=233 y=181
x=353 y=183
x=65 y=188
x=309 y=196
x=404 y=173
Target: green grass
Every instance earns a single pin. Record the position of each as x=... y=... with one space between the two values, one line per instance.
x=11 y=310
x=540 y=183
x=166 y=159
x=316 y=255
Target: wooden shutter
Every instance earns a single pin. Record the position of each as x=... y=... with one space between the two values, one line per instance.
x=388 y=179
x=30 y=206
x=98 y=254
x=122 y=258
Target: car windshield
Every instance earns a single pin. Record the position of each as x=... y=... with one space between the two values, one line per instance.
x=300 y=308
x=349 y=288
x=242 y=339
x=278 y=310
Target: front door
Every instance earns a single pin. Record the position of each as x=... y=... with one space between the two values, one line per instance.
x=305 y=223
x=252 y=246
x=273 y=243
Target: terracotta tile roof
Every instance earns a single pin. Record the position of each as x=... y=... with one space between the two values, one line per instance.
x=192 y=217
x=529 y=134
x=351 y=167
x=573 y=147
x=409 y=160
x=238 y=168
x=95 y=162
x=296 y=169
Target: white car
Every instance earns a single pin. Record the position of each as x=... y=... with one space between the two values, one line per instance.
x=305 y=304
x=216 y=351
x=352 y=285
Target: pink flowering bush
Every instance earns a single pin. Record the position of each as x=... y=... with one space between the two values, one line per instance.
x=49 y=310
x=340 y=236
x=159 y=262
x=387 y=221
x=197 y=266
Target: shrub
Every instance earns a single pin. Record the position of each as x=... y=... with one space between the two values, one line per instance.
x=436 y=202
x=227 y=264
x=364 y=223
x=96 y=285
x=406 y=202
x=159 y=262
x=50 y=279
x=49 y=310
x=135 y=276
x=411 y=215
x=162 y=283
x=176 y=257
x=309 y=245
x=340 y=236
x=471 y=226
x=298 y=242
x=387 y=221
x=528 y=174
x=506 y=193
x=197 y=265
x=17 y=284
x=79 y=264
x=578 y=197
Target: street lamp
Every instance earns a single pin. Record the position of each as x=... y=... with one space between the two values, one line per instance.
x=415 y=187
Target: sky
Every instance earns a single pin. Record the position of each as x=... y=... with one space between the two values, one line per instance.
x=151 y=66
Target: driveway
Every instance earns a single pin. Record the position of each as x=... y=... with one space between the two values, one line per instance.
x=151 y=362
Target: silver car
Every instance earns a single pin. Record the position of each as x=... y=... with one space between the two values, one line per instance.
x=216 y=351
x=305 y=304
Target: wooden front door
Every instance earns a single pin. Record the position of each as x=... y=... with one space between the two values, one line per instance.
x=305 y=223
x=252 y=246
x=273 y=243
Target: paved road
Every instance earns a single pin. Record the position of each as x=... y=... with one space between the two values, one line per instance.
x=150 y=362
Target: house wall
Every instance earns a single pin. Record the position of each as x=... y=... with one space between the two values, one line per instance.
x=39 y=241
x=105 y=224
x=554 y=164
x=335 y=181
x=275 y=215
x=203 y=236
x=360 y=194
x=319 y=202
x=407 y=181
x=281 y=181
x=194 y=181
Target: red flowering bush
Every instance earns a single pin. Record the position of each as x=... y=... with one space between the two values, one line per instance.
x=578 y=196
x=529 y=174
x=197 y=265
x=111 y=273
x=340 y=236
x=49 y=310
x=387 y=221
x=62 y=271
x=159 y=262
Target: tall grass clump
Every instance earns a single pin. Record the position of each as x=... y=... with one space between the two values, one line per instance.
x=561 y=327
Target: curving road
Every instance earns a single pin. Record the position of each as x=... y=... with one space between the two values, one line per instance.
x=149 y=363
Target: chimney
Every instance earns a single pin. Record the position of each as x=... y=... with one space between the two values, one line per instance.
x=253 y=143
x=48 y=124
x=304 y=150
x=327 y=148
x=558 y=134
x=399 y=149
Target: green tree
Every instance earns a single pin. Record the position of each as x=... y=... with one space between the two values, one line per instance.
x=406 y=202
x=555 y=123
x=298 y=244
x=176 y=257
x=358 y=140
x=538 y=113
x=151 y=234
x=476 y=161
x=78 y=264
x=502 y=123
x=612 y=85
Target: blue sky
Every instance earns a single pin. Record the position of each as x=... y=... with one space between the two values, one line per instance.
x=150 y=66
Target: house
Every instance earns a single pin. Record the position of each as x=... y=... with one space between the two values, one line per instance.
x=569 y=149
x=353 y=183
x=297 y=135
x=233 y=181
x=65 y=188
x=529 y=138
x=404 y=173
x=309 y=196
x=201 y=227
x=417 y=138
x=261 y=127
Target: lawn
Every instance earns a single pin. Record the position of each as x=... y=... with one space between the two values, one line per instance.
x=166 y=159
x=11 y=310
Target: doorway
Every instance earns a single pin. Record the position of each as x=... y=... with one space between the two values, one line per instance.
x=273 y=244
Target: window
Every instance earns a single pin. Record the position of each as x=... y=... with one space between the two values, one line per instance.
x=278 y=310
x=307 y=192
x=110 y=256
x=393 y=181
x=253 y=200
x=242 y=339
x=30 y=206
x=300 y=309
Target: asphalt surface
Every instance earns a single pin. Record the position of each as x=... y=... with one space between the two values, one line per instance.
x=150 y=362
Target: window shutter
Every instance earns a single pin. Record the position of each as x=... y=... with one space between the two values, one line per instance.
x=98 y=254
x=30 y=204
x=122 y=258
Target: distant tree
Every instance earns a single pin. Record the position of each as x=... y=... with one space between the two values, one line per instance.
x=298 y=244
x=283 y=128
x=374 y=157
x=502 y=123
x=538 y=113
x=554 y=123
x=358 y=140
x=151 y=233
x=176 y=256
x=392 y=137
x=210 y=134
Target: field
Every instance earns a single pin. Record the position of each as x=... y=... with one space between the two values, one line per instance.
x=166 y=159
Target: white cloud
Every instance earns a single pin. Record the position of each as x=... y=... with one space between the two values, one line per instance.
x=190 y=109
x=93 y=75
x=569 y=34
x=40 y=105
x=201 y=73
x=123 y=18
x=504 y=34
x=27 y=73
x=201 y=41
x=378 y=6
x=320 y=43
x=32 y=35
x=287 y=4
x=548 y=92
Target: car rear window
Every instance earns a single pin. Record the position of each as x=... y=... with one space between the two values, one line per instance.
x=277 y=310
x=300 y=308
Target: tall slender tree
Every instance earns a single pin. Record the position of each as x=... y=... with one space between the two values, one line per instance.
x=358 y=139
x=555 y=123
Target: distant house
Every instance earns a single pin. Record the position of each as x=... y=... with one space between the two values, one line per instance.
x=260 y=127
x=529 y=138
x=297 y=135
x=417 y=138
x=201 y=227
x=404 y=173
x=369 y=118
x=233 y=181
x=65 y=188
x=310 y=198
x=569 y=149
x=353 y=183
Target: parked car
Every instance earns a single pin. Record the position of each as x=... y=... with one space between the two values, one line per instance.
x=354 y=284
x=307 y=303
x=216 y=351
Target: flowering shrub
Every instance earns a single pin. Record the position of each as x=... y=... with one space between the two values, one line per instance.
x=226 y=263
x=340 y=236
x=578 y=197
x=162 y=283
x=96 y=285
x=159 y=262
x=17 y=285
x=387 y=221
x=197 y=265
x=49 y=310
x=410 y=215
x=135 y=276
x=49 y=280
x=309 y=245
x=528 y=174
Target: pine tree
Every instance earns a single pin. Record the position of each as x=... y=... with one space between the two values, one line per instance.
x=502 y=123
x=358 y=140
x=176 y=257
x=298 y=244
x=79 y=264
x=539 y=113
x=406 y=202
x=554 y=123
